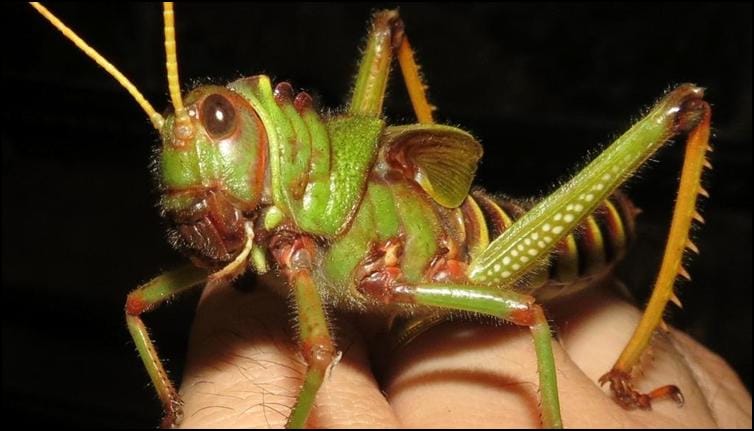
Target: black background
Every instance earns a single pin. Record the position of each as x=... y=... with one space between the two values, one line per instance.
x=542 y=86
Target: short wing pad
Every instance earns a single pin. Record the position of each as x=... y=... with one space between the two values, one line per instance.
x=441 y=159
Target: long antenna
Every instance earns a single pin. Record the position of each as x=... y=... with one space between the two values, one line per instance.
x=157 y=120
x=183 y=128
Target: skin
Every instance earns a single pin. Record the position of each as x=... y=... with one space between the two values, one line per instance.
x=244 y=371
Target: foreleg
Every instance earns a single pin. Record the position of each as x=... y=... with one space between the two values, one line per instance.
x=146 y=298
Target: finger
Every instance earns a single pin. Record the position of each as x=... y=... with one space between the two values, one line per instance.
x=594 y=328
x=244 y=369
x=475 y=376
x=726 y=395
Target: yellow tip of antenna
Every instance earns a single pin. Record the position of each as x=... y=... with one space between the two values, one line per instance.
x=157 y=120
x=183 y=128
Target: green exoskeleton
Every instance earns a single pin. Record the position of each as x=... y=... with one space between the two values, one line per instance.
x=381 y=218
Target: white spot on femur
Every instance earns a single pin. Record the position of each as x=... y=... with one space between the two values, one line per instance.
x=516 y=267
x=558 y=216
x=535 y=236
x=557 y=229
x=589 y=197
x=520 y=247
x=506 y=260
x=578 y=207
x=598 y=186
x=606 y=177
x=569 y=207
x=532 y=252
x=524 y=259
x=527 y=241
x=548 y=239
x=568 y=218
x=506 y=274
x=514 y=253
x=496 y=267
x=541 y=244
x=546 y=227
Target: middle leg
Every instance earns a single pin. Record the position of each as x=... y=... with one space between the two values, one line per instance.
x=295 y=254
x=507 y=305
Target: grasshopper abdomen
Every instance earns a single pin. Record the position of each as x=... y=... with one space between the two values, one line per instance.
x=581 y=258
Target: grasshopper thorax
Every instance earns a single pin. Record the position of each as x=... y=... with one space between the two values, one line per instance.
x=212 y=182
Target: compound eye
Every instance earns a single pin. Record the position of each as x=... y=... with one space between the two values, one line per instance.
x=218 y=116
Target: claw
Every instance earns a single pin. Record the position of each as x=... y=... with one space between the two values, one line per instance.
x=173 y=414
x=629 y=398
x=669 y=391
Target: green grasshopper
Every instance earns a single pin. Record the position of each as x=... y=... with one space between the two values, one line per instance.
x=381 y=218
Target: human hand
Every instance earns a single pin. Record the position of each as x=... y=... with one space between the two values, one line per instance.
x=244 y=371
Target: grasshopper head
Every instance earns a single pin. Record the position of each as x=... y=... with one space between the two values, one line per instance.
x=211 y=179
x=212 y=162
